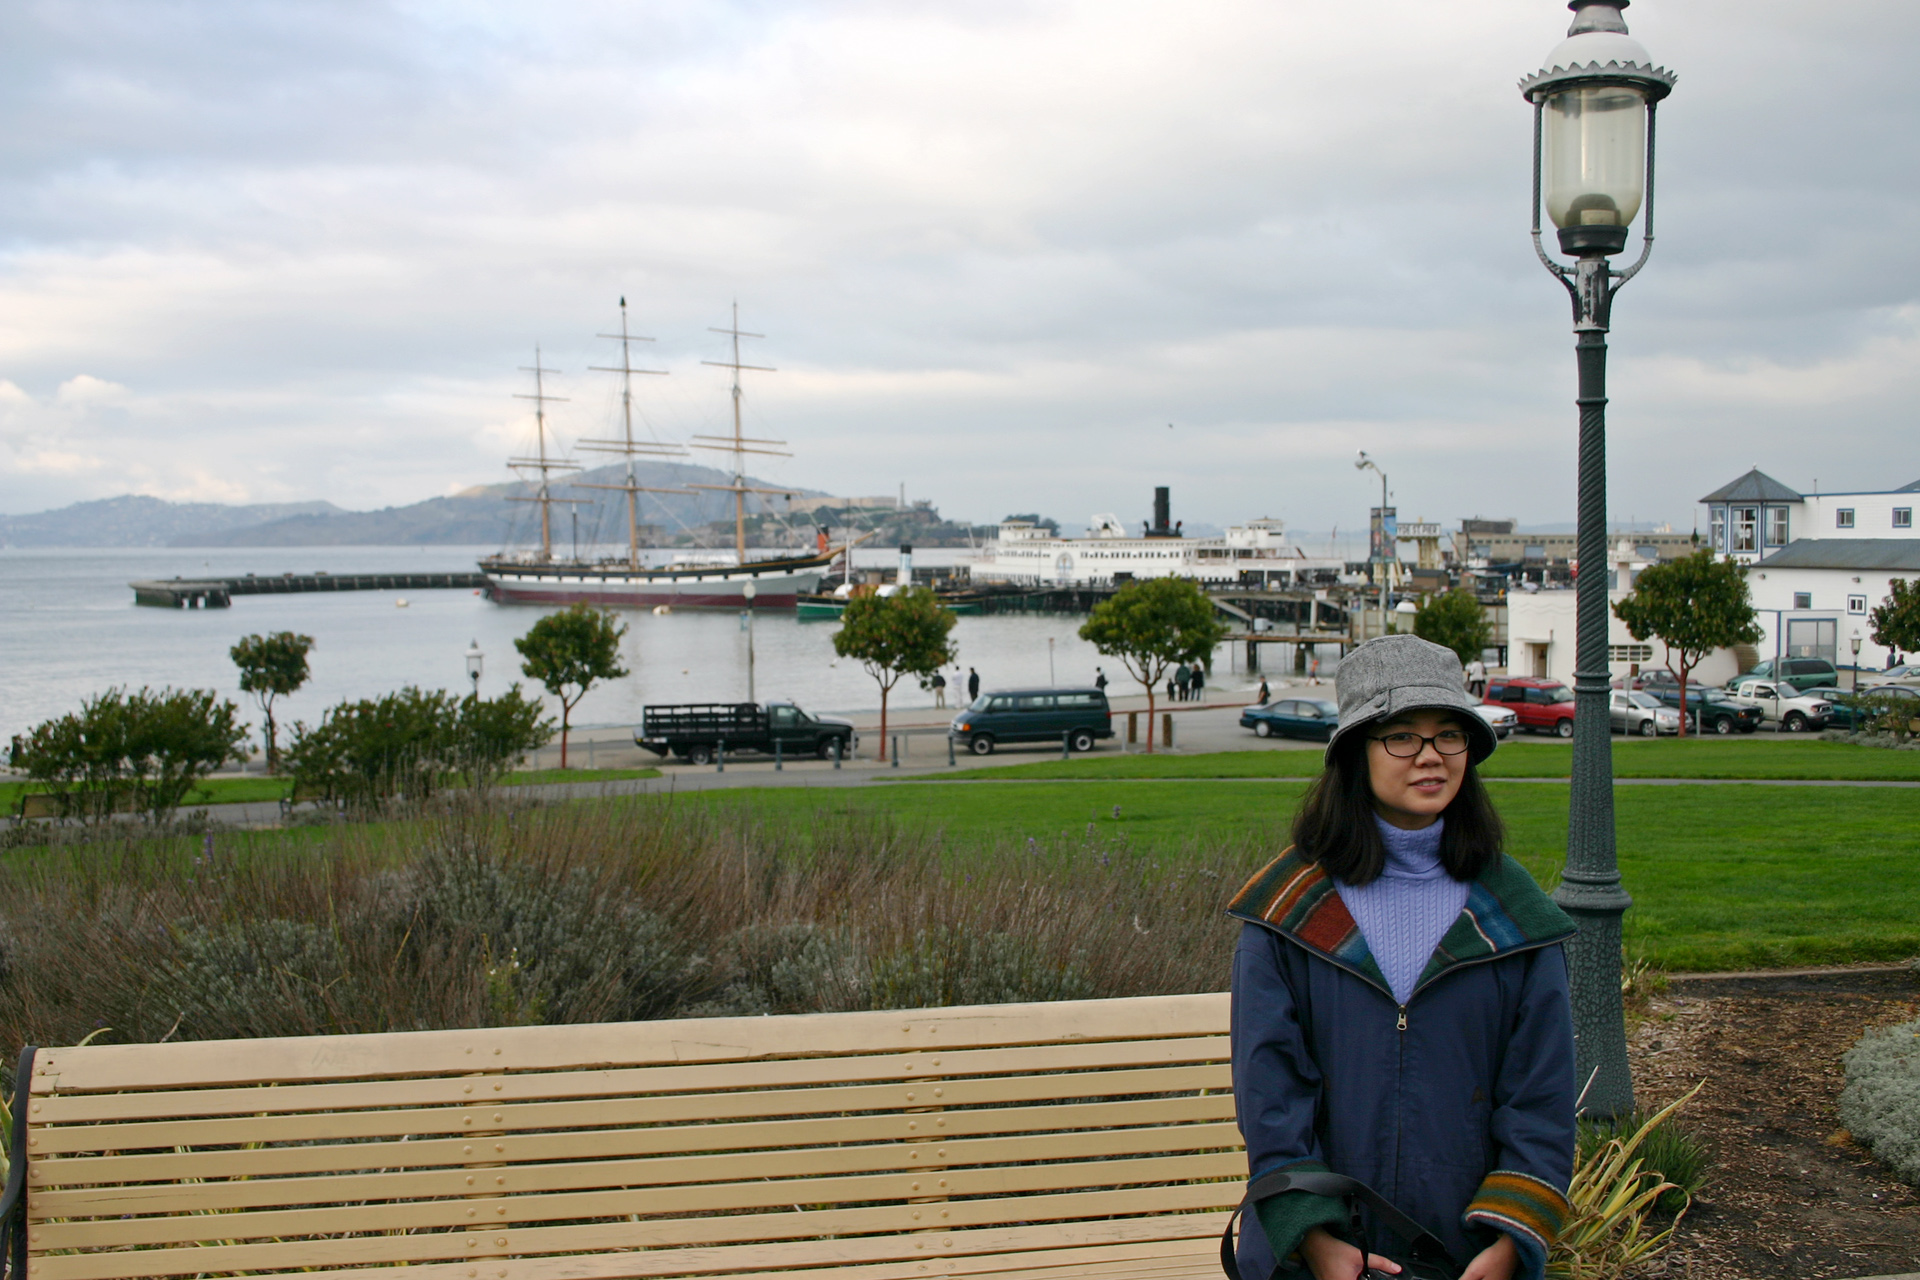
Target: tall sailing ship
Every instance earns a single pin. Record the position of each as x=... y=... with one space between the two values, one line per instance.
x=713 y=580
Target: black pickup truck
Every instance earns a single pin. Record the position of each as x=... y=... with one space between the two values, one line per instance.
x=694 y=731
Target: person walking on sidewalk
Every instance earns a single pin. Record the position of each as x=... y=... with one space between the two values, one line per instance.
x=1265 y=696
x=1401 y=1013
x=1182 y=681
x=939 y=690
x=1199 y=681
x=973 y=685
x=1100 y=679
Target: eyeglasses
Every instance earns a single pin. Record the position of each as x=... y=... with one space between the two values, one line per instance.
x=1448 y=742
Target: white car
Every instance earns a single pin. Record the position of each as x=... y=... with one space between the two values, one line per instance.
x=1499 y=719
x=1793 y=710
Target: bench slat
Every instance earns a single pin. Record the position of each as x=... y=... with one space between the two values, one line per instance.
x=801 y=1228
x=453 y=1090
x=188 y=1064
x=460 y=1212
x=510 y=1117
x=959 y=1254
x=521 y=1178
x=265 y=1162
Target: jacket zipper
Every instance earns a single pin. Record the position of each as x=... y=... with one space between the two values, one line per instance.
x=1403 y=1018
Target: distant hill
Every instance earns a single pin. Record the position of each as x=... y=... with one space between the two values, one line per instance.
x=138 y=521
x=485 y=516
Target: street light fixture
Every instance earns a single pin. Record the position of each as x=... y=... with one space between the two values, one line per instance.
x=475 y=659
x=749 y=590
x=1384 y=549
x=1593 y=118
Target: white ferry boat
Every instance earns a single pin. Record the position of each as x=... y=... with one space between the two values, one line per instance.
x=1252 y=554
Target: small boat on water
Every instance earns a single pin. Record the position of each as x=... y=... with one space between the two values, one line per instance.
x=711 y=580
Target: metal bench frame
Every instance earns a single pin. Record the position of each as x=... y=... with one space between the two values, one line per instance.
x=1075 y=1139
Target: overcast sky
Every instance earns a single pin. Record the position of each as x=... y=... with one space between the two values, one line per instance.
x=268 y=252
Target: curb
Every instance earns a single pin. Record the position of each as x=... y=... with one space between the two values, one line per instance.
x=1825 y=971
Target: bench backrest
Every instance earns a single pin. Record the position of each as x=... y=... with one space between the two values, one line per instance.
x=900 y=1141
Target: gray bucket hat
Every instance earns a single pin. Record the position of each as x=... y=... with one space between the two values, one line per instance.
x=1389 y=675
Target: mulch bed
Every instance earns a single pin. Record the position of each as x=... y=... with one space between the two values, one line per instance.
x=1791 y=1194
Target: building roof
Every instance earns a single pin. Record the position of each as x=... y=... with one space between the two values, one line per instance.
x=1897 y=554
x=1909 y=488
x=1755 y=486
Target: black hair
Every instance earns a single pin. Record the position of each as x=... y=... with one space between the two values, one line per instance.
x=1335 y=824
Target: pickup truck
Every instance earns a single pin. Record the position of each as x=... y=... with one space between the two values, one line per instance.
x=1791 y=709
x=1711 y=710
x=696 y=731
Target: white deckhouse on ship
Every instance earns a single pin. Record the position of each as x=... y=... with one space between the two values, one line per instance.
x=1252 y=554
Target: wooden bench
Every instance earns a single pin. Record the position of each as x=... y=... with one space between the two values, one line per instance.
x=1081 y=1139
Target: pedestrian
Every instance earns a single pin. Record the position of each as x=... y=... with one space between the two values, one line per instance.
x=1170 y=689
x=1182 y=680
x=973 y=685
x=1199 y=681
x=1100 y=679
x=1477 y=678
x=1313 y=669
x=939 y=690
x=1265 y=696
x=1400 y=1001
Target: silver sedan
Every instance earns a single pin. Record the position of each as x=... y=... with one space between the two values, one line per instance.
x=1642 y=713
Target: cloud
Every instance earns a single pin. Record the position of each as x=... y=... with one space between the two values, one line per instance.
x=995 y=246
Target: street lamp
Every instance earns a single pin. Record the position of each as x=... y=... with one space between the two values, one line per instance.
x=749 y=590
x=1384 y=548
x=474 y=660
x=1593 y=117
x=1855 y=642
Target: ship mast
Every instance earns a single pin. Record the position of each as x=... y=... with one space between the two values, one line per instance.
x=540 y=462
x=739 y=444
x=627 y=445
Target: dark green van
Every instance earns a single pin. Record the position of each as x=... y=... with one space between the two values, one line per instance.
x=1034 y=715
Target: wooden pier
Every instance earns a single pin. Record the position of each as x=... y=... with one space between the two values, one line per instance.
x=218 y=593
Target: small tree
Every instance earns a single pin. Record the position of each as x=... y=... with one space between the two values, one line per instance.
x=904 y=634
x=401 y=744
x=1896 y=620
x=271 y=667
x=144 y=749
x=1694 y=605
x=569 y=652
x=1456 y=620
x=1152 y=625
x=491 y=734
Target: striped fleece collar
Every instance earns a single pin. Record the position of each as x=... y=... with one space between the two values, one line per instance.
x=1505 y=912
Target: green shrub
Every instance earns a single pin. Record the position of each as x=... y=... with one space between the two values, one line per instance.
x=132 y=751
x=788 y=968
x=256 y=978
x=952 y=965
x=1881 y=1101
x=1668 y=1150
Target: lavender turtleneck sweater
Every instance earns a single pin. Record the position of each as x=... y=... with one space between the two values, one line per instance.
x=1405 y=912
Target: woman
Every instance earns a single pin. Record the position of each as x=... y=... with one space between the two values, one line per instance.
x=1400 y=1007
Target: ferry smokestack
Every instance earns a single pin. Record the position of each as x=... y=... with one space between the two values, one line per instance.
x=1162 y=510
x=905 y=577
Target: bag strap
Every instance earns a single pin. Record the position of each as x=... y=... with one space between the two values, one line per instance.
x=13 y=1203
x=1425 y=1245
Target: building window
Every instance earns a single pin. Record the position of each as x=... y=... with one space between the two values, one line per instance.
x=1746 y=529
x=1629 y=653
x=1856 y=604
x=1803 y=599
x=1843 y=518
x=1776 y=526
x=1903 y=517
x=1717 y=539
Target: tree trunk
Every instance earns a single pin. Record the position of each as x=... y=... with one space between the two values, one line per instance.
x=1149 y=719
x=566 y=713
x=885 y=689
x=273 y=754
x=1682 y=673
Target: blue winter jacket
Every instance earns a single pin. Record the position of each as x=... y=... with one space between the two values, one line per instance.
x=1458 y=1107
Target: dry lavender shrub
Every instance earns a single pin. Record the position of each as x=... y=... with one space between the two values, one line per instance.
x=604 y=911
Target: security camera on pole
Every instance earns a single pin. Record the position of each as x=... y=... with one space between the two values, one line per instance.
x=1593 y=118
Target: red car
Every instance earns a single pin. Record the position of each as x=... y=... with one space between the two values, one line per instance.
x=1544 y=706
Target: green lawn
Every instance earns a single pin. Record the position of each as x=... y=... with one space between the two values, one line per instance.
x=212 y=791
x=542 y=777
x=1714 y=757
x=1723 y=877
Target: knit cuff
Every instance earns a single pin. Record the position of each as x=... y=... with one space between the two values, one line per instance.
x=1523 y=1206
x=1287 y=1217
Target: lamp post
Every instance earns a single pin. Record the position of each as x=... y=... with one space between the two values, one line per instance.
x=750 y=591
x=1593 y=118
x=474 y=660
x=1855 y=642
x=1383 y=548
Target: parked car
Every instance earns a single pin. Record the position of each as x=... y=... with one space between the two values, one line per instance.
x=1311 y=718
x=1856 y=711
x=1907 y=673
x=1652 y=677
x=1801 y=673
x=1794 y=711
x=1500 y=719
x=1711 y=710
x=1544 y=706
x=1635 y=711
x=1844 y=713
x=694 y=731
x=1081 y=716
